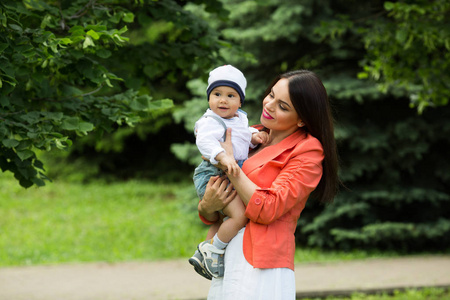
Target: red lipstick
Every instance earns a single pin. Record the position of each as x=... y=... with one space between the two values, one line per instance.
x=266 y=115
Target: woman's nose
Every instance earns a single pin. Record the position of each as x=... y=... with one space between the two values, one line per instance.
x=269 y=105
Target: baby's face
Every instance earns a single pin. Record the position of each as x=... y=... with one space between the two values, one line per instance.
x=224 y=101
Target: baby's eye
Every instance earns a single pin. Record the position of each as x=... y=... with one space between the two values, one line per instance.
x=217 y=94
x=230 y=95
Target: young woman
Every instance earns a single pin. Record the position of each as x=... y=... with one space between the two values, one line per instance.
x=277 y=179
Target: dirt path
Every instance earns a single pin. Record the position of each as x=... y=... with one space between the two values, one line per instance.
x=177 y=280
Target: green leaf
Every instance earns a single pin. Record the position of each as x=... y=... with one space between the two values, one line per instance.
x=85 y=126
x=56 y=134
x=140 y=103
x=31 y=117
x=363 y=75
x=88 y=42
x=37 y=181
x=122 y=30
x=76 y=29
x=103 y=53
x=160 y=104
x=3 y=130
x=65 y=41
x=55 y=116
x=3 y=46
x=3 y=20
x=16 y=27
x=25 y=154
x=24 y=144
x=63 y=143
x=388 y=5
x=401 y=35
x=93 y=34
x=70 y=123
x=96 y=28
x=10 y=143
x=128 y=17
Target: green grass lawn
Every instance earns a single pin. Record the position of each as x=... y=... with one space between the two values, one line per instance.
x=131 y=221
x=64 y=222
x=135 y=220
x=411 y=294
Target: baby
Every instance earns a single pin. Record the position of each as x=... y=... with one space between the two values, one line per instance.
x=226 y=94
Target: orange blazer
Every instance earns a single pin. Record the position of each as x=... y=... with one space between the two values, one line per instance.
x=286 y=173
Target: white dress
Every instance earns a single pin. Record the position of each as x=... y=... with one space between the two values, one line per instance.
x=244 y=282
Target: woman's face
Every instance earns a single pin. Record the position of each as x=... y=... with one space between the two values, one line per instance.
x=278 y=112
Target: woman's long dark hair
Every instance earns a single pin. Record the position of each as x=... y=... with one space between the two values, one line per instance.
x=310 y=100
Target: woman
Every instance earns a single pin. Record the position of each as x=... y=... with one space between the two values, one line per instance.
x=276 y=181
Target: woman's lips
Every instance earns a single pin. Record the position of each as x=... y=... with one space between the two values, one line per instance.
x=266 y=115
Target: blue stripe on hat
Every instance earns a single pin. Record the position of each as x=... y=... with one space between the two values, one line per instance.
x=231 y=84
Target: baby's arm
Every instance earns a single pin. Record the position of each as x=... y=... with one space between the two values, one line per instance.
x=260 y=137
x=231 y=165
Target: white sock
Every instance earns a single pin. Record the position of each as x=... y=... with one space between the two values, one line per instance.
x=218 y=243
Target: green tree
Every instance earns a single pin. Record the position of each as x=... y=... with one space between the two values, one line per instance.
x=68 y=68
x=393 y=160
x=407 y=45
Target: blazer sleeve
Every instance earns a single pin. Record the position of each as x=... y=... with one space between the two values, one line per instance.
x=204 y=220
x=294 y=183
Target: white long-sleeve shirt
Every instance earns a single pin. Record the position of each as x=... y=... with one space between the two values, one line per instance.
x=209 y=133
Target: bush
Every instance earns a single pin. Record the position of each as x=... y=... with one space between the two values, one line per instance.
x=397 y=173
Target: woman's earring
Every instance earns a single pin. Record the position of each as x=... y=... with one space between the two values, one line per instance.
x=300 y=124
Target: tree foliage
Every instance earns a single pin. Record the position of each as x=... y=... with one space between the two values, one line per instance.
x=407 y=46
x=68 y=68
x=393 y=160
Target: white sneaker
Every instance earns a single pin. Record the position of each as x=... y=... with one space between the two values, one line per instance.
x=213 y=258
x=197 y=261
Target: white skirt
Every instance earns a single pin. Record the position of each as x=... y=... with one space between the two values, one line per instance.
x=243 y=281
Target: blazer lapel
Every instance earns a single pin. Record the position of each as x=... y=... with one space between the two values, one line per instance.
x=269 y=153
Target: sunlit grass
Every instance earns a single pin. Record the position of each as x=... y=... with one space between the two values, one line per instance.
x=135 y=220
x=409 y=294
x=303 y=254
x=64 y=222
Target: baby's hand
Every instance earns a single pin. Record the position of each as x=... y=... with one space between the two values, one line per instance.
x=228 y=164
x=233 y=168
x=260 y=137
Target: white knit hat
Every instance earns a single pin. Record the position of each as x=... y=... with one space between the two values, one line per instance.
x=227 y=76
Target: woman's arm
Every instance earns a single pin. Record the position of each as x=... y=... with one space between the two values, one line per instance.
x=244 y=186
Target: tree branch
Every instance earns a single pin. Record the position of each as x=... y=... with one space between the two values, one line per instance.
x=82 y=11
x=72 y=97
x=78 y=14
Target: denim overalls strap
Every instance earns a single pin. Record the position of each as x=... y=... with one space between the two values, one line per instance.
x=221 y=122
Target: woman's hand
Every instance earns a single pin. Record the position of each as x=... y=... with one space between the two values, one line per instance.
x=226 y=159
x=227 y=145
x=217 y=195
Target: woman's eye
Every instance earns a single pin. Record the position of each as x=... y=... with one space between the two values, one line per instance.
x=282 y=107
